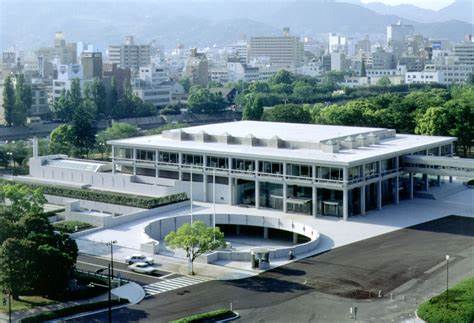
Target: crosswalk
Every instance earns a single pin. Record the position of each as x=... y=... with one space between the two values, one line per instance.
x=166 y=285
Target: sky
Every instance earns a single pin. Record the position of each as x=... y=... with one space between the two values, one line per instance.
x=428 y=4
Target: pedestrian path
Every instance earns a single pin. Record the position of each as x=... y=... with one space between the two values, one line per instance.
x=172 y=284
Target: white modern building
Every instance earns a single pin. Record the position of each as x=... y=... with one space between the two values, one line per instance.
x=152 y=85
x=294 y=168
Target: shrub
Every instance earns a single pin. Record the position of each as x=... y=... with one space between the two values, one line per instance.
x=460 y=306
x=219 y=314
x=140 y=201
x=68 y=311
x=70 y=226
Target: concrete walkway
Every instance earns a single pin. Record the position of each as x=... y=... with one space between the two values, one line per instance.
x=334 y=232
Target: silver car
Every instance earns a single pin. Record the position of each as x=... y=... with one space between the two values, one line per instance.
x=139 y=258
x=142 y=268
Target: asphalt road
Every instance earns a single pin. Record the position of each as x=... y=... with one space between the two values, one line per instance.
x=342 y=275
x=91 y=263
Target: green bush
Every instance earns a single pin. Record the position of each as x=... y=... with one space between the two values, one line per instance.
x=70 y=226
x=460 y=307
x=68 y=311
x=470 y=182
x=140 y=201
x=219 y=314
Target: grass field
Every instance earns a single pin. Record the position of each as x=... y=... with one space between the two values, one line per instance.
x=25 y=303
x=458 y=307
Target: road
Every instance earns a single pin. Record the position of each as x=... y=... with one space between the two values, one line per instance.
x=323 y=287
x=91 y=263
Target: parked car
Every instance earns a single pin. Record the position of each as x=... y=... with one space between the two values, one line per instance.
x=139 y=258
x=142 y=268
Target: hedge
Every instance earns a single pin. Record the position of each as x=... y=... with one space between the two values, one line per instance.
x=68 y=311
x=212 y=316
x=460 y=307
x=140 y=201
x=70 y=226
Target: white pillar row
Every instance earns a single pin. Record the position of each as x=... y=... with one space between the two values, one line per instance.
x=345 y=204
x=315 y=201
x=113 y=159
x=362 y=199
x=412 y=187
x=180 y=163
x=231 y=183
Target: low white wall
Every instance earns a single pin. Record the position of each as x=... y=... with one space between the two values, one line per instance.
x=160 y=228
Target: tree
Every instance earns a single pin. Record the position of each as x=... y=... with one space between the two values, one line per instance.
x=62 y=107
x=113 y=97
x=61 y=140
x=117 y=130
x=22 y=101
x=99 y=97
x=185 y=83
x=282 y=77
x=172 y=109
x=433 y=122
x=8 y=100
x=253 y=107
x=83 y=127
x=201 y=100
x=34 y=260
x=384 y=81
x=287 y=113
x=195 y=239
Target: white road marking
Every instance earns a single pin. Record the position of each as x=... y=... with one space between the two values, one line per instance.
x=172 y=284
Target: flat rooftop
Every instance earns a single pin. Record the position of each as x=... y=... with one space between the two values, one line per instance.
x=287 y=141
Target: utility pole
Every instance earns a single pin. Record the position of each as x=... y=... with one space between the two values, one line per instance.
x=111 y=244
x=447 y=276
x=214 y=203
x=110 y=296
x=191 y=193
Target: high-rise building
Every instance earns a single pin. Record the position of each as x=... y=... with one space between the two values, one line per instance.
x=91 y=65
x=122 y=76
x=197 y=68
x=397 y=35
x=152 y=85
x=130 y=55
x=464 y=52
x=283 y=51
x=337 y=43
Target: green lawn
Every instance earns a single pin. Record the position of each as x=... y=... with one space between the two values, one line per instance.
x=25 y=303
x=459 y=308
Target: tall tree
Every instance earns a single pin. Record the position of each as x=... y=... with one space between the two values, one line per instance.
x=83 y=127
x=113 y=97
x=99 y=96
x=22 y=101
x=62 y=107
x=8 y=100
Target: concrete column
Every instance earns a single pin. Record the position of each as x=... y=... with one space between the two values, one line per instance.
x=180 y=163
x=425 y=183
x=113 y=160
x=315 y=201
x=438 y=181
x=450 y=179
x=265 y=233
x=257 y=194
x=204 y=186
x=134 y=161
x=231 y=191
x=345 y=204
x=285 y=194
x=379 y=195
x=295 y=238
x=345 y=175
x=397 y=190
x=411 y=186
x=362 y=199
x=314 y=173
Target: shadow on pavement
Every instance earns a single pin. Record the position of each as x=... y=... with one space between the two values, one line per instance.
x=269 y=285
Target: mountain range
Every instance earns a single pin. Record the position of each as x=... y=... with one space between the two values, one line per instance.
x=32 y=23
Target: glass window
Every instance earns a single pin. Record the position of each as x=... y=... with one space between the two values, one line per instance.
x=299 y=170
x=243 y=164
x=148 y=155
x=217 y=162
x=192 y=159
x=271 y=168
x=124 y=153
x=168 y=157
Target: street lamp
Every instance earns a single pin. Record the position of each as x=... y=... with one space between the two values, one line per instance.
x=111 y=244
x=447 y=275
x=10 y=160
x=109 y=294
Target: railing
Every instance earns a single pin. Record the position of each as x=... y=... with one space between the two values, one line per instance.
x=167 y=164
x=299 y=178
